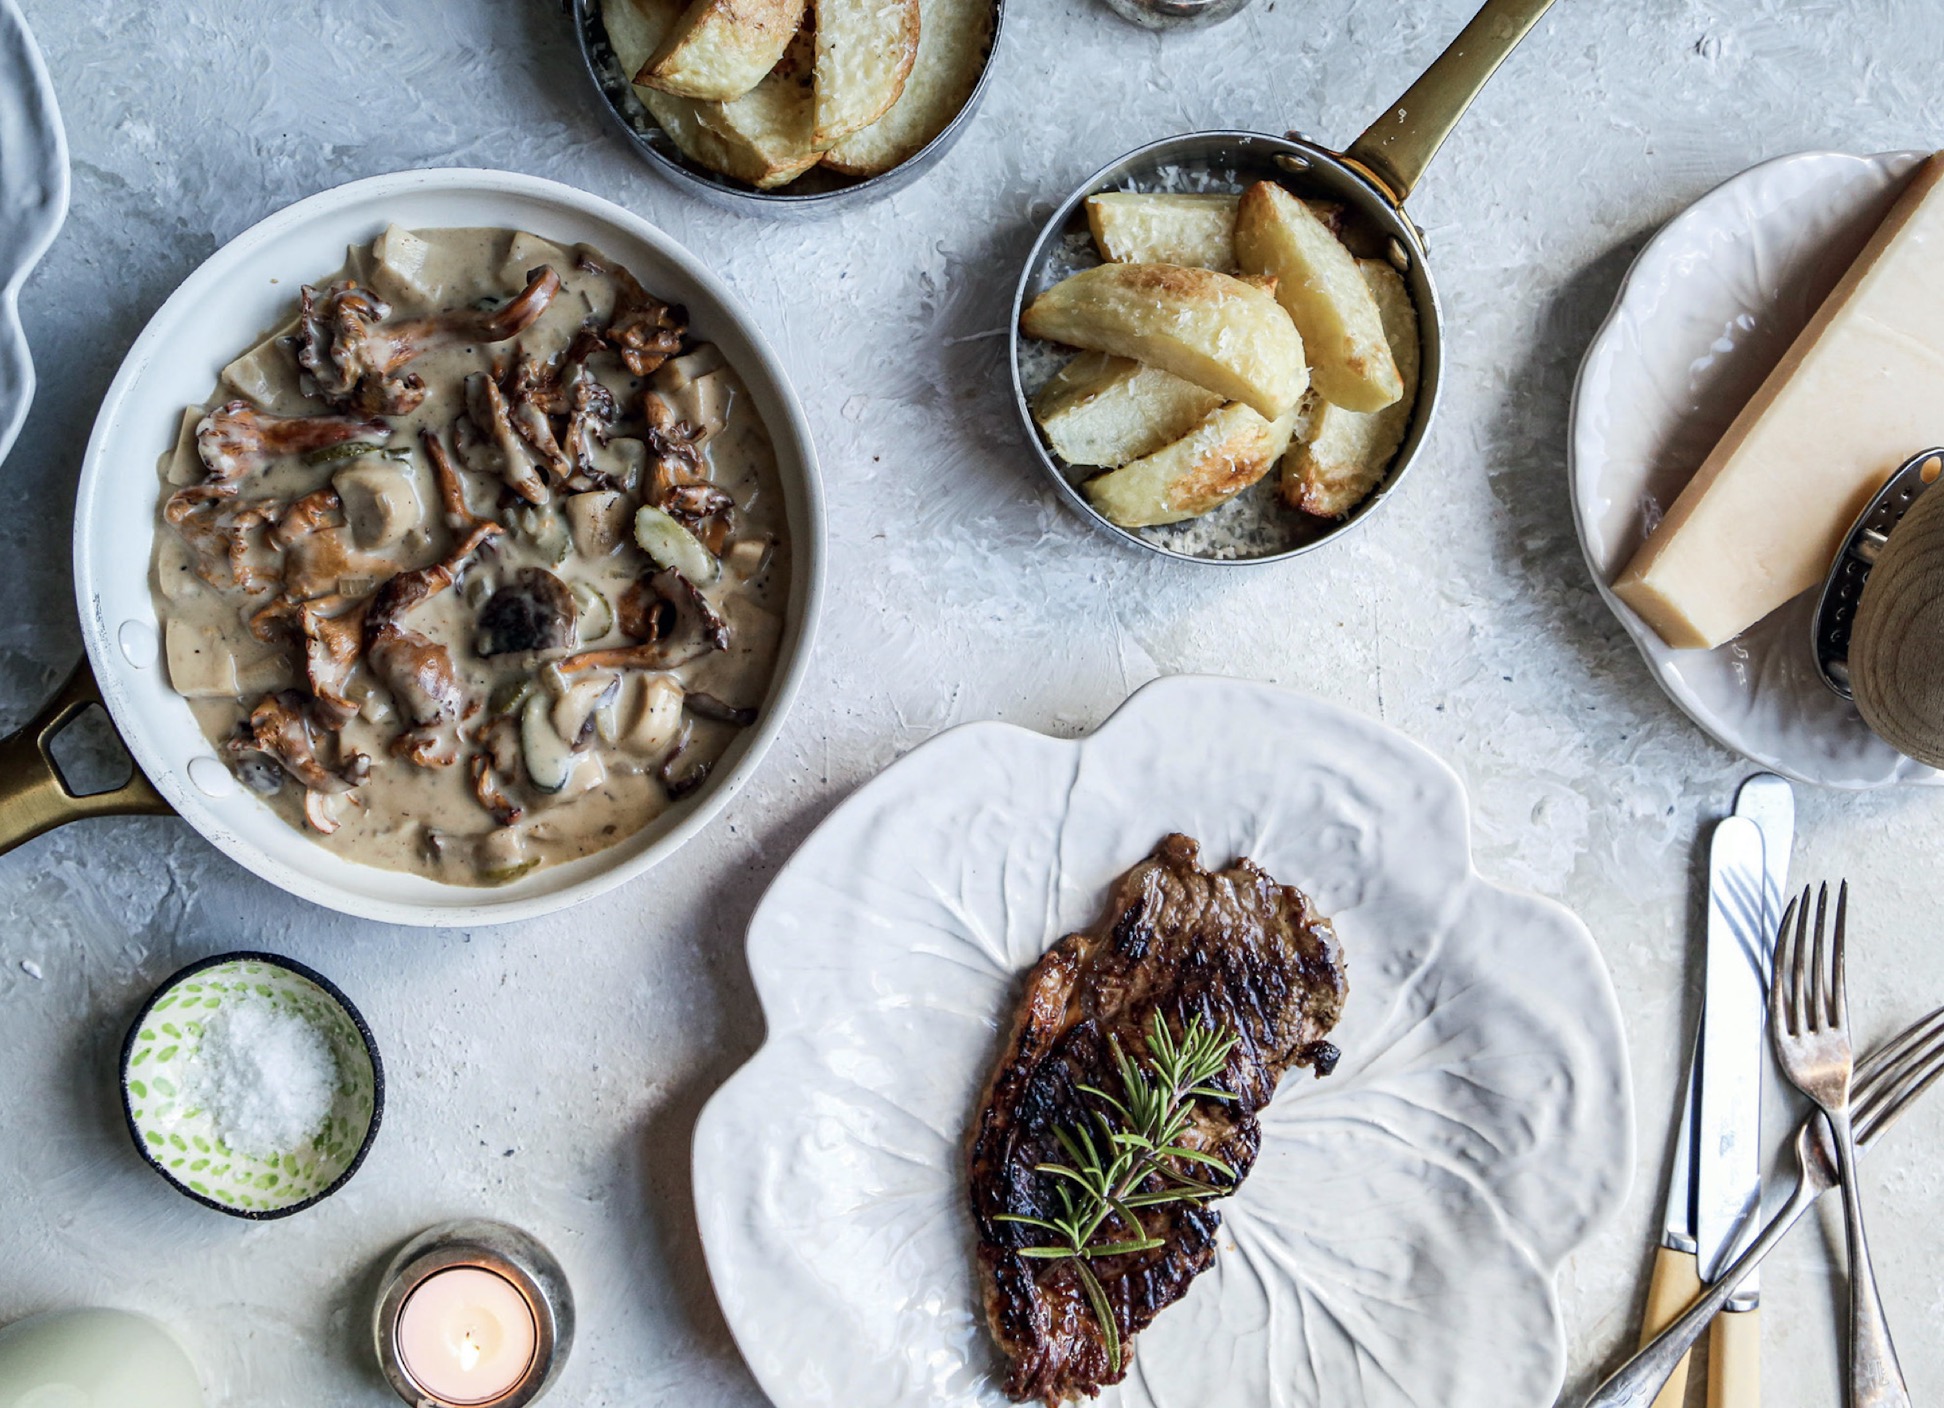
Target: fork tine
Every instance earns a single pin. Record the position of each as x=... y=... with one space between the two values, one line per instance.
x=1818 y=975
x=1893 y=1089
x=1798 y=993
x=1839 y=999
x=1778 y=987
x=1878 y=1063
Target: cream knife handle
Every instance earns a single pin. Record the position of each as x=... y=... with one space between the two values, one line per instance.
x=1637 y=1383
x=1675 y=1285
x=1735 y=1359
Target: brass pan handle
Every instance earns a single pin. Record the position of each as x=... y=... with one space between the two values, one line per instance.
x=1397 y=147
x=33 y=796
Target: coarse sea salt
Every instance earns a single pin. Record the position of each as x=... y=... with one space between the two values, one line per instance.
x=265 y=1075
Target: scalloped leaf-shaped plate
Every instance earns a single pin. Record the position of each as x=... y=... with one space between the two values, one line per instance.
x=1398 y=1240
x=1707 y=310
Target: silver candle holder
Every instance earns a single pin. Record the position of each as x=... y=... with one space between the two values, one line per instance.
x=1176 y=14
x=506 y=1252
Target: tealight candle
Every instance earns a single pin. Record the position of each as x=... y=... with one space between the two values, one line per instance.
x=466 y=1335
x=473 y=1315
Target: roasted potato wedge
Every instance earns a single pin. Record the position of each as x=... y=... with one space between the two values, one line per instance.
x=719 y=50
x=1197 y=230
x=1348 y=452
x=865 y=51
x=954 y=38
x=777 y=119
x=1228 y=451
x=1317 y=281
x=1109 y=410
x=765 y=137
x=1213 y=329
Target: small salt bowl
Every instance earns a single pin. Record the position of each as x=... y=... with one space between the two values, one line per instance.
x=252 y=1084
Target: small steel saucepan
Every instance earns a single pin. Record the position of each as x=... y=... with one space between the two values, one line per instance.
x=1370 y=178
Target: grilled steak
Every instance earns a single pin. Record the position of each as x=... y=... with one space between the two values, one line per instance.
x=1231 y=947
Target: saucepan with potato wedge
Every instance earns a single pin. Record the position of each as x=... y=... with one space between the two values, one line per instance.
x=1227 y=346
x=793 y=107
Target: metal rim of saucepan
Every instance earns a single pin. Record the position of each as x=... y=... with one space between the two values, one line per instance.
x=330 y=990
x=1306 y=169
x=618 y=100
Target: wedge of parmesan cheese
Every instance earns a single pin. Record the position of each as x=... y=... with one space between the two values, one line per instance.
x=1859 y=391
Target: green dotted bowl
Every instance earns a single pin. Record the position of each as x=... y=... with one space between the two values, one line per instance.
x=180 y=1140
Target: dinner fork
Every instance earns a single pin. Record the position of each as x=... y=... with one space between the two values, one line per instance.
x=1809 y=1023
x=1887 y=1082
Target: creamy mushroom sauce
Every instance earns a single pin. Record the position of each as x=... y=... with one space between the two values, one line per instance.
x=273 y=594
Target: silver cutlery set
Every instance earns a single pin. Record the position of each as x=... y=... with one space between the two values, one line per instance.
x=1775 y=974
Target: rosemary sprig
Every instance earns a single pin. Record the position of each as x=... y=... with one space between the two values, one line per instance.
x=1136 y=1141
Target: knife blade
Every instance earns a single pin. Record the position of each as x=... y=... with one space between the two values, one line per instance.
x=1735 y=1337
x=1728 y=1106
x=1769 y=802
x=1728 y=1115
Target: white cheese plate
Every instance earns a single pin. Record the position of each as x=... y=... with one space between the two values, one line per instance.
x=1398 y=1240
x=1706 y=311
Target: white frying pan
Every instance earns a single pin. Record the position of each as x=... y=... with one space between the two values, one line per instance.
x=240 y=293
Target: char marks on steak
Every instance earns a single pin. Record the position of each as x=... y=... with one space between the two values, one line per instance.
x=1232 y=947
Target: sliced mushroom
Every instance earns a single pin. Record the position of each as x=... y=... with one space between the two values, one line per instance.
x=324 y=810
x=707 y=706
x=532 y=393
x=236 y=439
x=644 y=330
x=458 y=514
x=598 y=520
x=491 y=416
x=533 y=612
x=591 y=413
x=280 y=728
x=574 y=712
x=320 y=552
x=670 y=617
x=487 y=789
x=501 y=856
x=354 y=356
x=657 y=719
x=419 y=671
x=223 y=535
x=333 y=647
x=380 y=503
x=679 y=784
x=706 y=511
x=696 y=390
x=346 y=356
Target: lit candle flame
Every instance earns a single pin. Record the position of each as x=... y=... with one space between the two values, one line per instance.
x=468 y=1352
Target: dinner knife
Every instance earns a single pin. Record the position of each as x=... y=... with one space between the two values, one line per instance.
x=1734 y=1357
x=1726 y=1151
x=1676 y=1279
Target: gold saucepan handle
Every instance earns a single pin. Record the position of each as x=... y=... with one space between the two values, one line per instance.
x=34 y=797
x=1399 y=145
